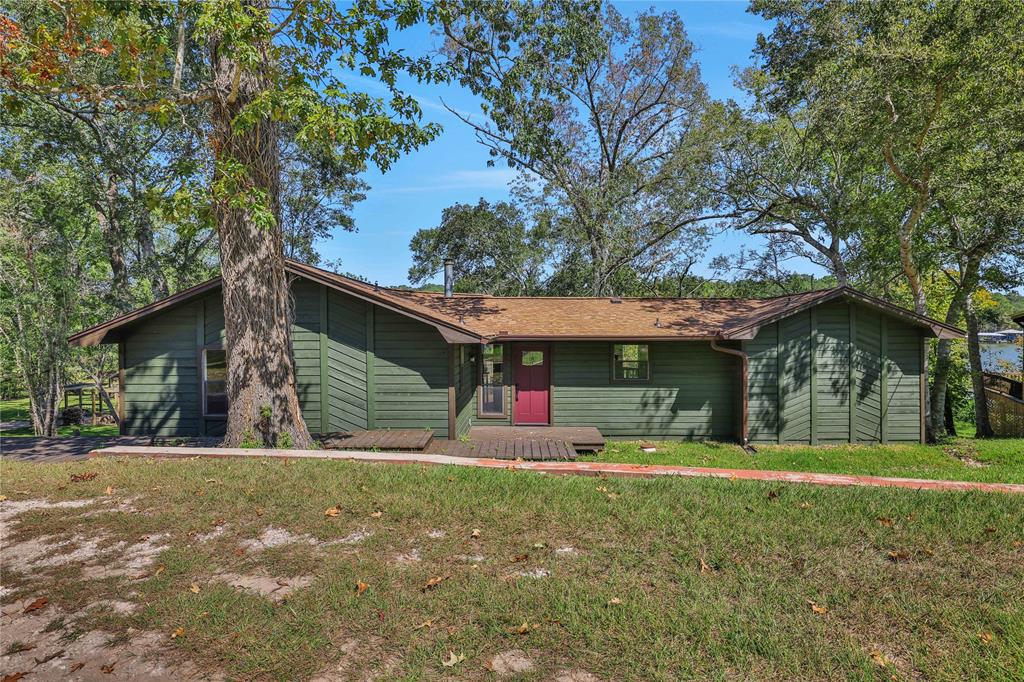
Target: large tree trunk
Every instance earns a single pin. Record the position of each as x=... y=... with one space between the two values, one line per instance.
x=113 y=240
x=263 y=406
x=982 y=424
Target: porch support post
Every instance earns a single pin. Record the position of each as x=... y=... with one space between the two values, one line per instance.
x=884 y=378
x=452 y=435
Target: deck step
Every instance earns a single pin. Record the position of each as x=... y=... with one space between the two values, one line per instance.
x=408 y=440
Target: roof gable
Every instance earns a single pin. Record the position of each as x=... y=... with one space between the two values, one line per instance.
x=476 y=318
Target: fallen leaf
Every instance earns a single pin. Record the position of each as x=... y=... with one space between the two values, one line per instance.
x=87 y=476
x=475 y=533
x=601 y=489
x=879 y=658
x=806 y=505
x=704 y=567
x=376 y=515
x=817 y=608
x=614 y=601
x=538 y=545
x=773 y=494
x=331 y=512
x=14 y=677
x=733 y=477
x=239 y=551
x=109 y=490
x=179 y=632
x=425 y=624
x=194 y=588
x=361 y=587
x=433 y=582
x=990 y=529
x=885 y=521
x=76 y=667
x=898 y=555
x=520 y=629
x=985 y=637
x=928 y=550
x=453 y=659
x=39 y=603
x=520 y=558
x=159 y=569
x=107 y=669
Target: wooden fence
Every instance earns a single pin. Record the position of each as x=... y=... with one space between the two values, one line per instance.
x=1005 y=413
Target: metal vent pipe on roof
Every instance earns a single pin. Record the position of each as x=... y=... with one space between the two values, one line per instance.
x=449 y=278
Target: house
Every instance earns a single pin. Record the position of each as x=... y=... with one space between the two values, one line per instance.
x=829 y=366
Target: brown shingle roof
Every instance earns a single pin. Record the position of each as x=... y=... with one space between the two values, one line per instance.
x=602 y=318
x=469 y=318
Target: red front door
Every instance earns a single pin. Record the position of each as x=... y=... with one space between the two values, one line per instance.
x=531 y=366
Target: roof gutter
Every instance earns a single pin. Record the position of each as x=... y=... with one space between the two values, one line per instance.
x=744 y=391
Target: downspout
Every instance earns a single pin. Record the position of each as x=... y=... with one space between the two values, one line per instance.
x=744 y=392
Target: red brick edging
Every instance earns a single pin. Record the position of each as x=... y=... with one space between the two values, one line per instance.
x=564 y=468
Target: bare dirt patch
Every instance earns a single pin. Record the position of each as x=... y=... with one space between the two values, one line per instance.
x=276 y=537
x=99 y=555
x=511 y=662
x=275 y=588
x=43 y=651
x=576 y=676
x=965 y=455
x=366 y=660
x=410 y=557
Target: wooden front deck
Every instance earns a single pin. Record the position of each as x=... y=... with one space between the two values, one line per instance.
x=534 y=449
x=582 y=438
x=538 y=443
x=399 y=440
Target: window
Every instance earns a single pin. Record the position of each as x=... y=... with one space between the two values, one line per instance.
x=532 y=358
x=215 y=382
x=492 y=381
x=631 y=362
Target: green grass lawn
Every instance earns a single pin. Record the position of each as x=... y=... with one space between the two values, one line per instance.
x=667 y=579
x=964 y=459
x=17 y=409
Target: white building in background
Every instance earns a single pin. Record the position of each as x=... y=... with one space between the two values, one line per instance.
x=1002 y=336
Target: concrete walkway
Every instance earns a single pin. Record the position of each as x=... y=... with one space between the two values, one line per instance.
x=578 y=468
x=60 y=448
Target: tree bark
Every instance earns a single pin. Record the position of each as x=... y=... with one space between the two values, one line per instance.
x=982 y=424
x=263 y=406
x=113 y=240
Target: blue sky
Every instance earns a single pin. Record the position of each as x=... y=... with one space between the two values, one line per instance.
x=453 y=168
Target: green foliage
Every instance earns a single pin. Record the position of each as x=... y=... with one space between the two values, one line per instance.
x=604 y=117
x=491 y=247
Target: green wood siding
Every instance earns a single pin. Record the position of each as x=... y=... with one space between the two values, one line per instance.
x=466 y=358
x=836 y=355
x=867 y=365
x=346 y=359
x=795 y=394
x=832 y=363
x=161 y=375
x=903 y=382
x=763 y=354
x=410 y=374
x=306 y=350
x=691 y=395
